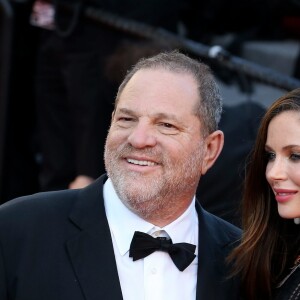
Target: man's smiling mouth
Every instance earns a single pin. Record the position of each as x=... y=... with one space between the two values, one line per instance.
x=141 y=162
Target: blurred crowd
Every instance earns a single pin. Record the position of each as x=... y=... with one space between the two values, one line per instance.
x=65 y=69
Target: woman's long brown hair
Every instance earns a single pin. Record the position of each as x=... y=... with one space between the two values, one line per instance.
x=262 y=255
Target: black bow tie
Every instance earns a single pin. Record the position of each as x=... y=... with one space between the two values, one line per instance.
x=143 y=244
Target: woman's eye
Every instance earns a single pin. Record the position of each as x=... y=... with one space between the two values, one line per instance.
x=270 y=155
x=295 y=156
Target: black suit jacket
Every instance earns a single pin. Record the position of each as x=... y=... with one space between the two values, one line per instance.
x=57 y=246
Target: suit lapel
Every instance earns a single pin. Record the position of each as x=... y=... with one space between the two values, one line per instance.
x=212 y=250
x=205 y=259
x=92 y=255
x=91 y=251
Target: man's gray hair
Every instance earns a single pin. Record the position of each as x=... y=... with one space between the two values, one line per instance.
x=209 y=107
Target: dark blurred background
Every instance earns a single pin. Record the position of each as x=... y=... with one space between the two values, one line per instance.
x=265 y=33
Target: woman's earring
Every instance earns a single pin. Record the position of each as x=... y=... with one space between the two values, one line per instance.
x=297 y=221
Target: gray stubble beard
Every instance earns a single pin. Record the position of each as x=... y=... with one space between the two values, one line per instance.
x=156 y=195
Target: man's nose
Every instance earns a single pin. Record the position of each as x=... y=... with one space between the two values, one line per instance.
x=142 y=135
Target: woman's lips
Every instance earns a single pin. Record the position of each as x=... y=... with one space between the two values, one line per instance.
x=283 y=196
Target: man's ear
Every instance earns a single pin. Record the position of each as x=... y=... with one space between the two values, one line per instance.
x=214 y=145
x=112 y=118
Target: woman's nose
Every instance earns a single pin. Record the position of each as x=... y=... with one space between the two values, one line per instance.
x=276 y=170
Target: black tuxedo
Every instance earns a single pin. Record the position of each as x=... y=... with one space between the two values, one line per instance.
x=57 y=246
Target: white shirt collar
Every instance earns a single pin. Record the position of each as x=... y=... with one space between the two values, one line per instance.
x=123 y=222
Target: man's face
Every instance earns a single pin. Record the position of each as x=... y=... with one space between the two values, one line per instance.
x=153 y=152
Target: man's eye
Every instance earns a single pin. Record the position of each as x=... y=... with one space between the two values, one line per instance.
x=168 y=128
x=168 y=125
x=125 y=122
x=125 y=119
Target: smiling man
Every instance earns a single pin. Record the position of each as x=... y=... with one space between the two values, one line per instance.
x=155 y=149
x=137 y=232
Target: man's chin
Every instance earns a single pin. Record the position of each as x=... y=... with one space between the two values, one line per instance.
x=134 y=176
x=139 y=188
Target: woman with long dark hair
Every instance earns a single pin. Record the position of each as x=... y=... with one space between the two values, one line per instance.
x=268 y=256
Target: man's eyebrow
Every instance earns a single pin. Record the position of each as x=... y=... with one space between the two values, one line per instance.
x=125 y=111
x=168 y=116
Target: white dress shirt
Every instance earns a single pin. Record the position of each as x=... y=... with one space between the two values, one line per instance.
x=155 y=277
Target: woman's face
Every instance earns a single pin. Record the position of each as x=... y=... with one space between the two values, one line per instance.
x=283 y=167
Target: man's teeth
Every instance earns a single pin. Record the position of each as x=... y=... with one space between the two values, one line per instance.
x=141 y=162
